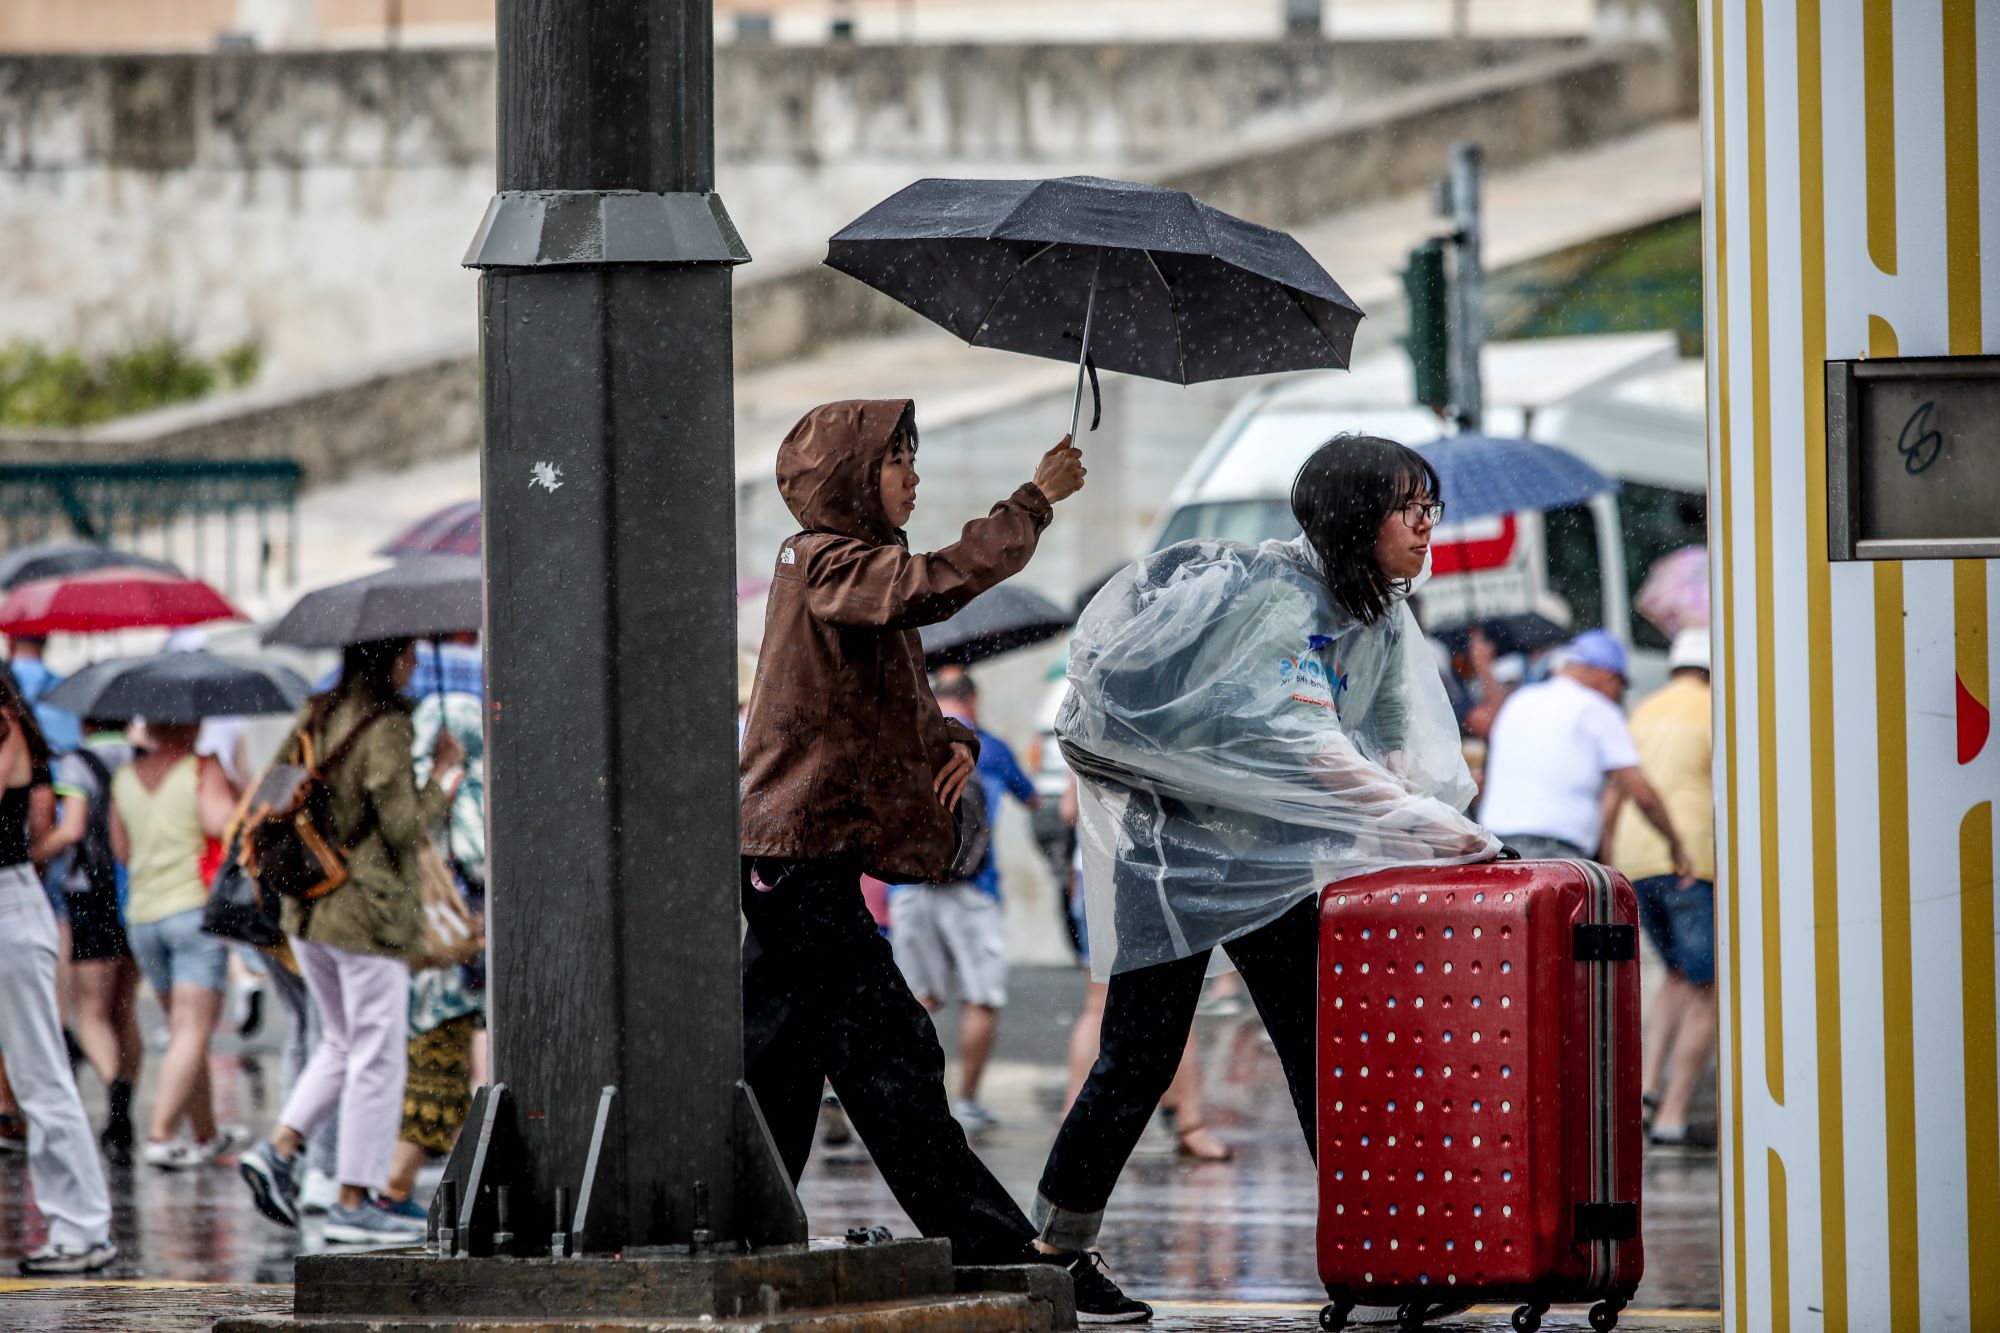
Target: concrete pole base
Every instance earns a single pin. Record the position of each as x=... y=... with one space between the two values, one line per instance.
x=823 y=1286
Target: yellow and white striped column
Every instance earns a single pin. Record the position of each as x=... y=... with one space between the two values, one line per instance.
x=1853 y=181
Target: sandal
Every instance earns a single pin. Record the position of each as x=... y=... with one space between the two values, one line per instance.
x=1208 y=1149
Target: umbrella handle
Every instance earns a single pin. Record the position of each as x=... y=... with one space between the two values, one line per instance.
x=1083 y=357
x=437 y=675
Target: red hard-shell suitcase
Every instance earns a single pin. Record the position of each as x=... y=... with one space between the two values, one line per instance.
x=1479 y=1118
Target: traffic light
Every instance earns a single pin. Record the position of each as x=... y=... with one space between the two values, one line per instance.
x=1429 y=339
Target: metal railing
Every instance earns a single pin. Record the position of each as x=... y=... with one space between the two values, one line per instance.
x=179 y=509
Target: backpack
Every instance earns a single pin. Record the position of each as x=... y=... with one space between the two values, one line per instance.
x=290 y=845
x=93 y=866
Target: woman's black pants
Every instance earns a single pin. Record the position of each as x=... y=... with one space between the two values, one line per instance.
x=823 y=1000
x=1147 y=1014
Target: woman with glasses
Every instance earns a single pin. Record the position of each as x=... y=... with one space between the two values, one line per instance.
x=1248 y=723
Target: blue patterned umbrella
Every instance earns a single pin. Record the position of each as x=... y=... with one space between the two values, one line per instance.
x=1484 y=475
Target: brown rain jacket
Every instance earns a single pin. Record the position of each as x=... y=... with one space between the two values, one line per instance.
x=844 y=739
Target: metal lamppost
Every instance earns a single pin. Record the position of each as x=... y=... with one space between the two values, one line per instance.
x=610 y=630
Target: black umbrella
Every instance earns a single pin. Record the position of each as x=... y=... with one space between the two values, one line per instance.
x=1524 y=633
x=1132 y=277
x=48 y=560
x=178 y=688
x=420 y=598
x=997 y=621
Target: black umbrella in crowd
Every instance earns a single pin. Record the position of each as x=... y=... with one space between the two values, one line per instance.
x=1525 y=633
x=997 y=621
x=420 y=598
x=178 y=688
x=49 y=560
x=1106 y=273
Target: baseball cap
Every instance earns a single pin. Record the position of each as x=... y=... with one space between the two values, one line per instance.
x=1596 y=648
x=1690 y=649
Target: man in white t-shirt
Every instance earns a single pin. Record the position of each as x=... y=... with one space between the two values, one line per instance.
x=1554 y=749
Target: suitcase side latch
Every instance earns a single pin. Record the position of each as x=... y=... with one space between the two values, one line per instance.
x=1606 y=1221
x=1614 y=942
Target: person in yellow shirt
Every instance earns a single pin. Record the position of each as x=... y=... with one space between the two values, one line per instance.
x=1675 y=738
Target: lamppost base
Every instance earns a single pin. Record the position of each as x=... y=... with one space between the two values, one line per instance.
x=897 y=1286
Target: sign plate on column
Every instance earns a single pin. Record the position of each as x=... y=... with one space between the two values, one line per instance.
x=1913 y=458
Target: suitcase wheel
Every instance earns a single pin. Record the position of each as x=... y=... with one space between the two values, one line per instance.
x=1410 y=1317
x=1333 y=1316
x=1604 y=1315
x=1528 y=1318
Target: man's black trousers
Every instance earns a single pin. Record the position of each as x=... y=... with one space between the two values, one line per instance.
x=1147 y=1014
x=823 y=999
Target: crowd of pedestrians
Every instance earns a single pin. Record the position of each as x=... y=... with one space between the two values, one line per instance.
x=108 y=851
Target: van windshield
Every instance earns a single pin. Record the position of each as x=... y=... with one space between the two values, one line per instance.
x=1248 y=521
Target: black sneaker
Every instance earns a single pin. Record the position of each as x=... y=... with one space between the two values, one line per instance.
x=1696 y=1136
x=253 y=1014
x=118 y=1134
x=1098 y=1299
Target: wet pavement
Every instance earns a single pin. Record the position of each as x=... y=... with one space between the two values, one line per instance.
x=1216 y=1246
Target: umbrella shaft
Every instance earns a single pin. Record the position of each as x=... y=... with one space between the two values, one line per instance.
x=1083 y=358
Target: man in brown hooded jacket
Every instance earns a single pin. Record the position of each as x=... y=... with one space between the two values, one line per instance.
x=850 y=768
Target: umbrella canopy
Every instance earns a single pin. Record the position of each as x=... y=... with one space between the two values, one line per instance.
x=178 y=688
x=49 y=560
x=419 y=598
x=1145 y=280
x=1524 y=633
x=1675 y=593
x=453 y=530
x=109 y=599
x=1485 y=475
x=997 y=621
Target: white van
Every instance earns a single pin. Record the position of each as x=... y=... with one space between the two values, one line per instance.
x=1627 y=404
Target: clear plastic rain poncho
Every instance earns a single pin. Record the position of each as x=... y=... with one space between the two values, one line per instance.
x=1242 y=741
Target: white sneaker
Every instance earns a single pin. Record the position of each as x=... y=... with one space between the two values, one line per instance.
x=971 y=1113
x=229 y=1140
x=169 y=1154
x=51 y=1259
x=319 y=1192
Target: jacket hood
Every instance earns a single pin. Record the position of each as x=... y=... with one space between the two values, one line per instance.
x=830 y=467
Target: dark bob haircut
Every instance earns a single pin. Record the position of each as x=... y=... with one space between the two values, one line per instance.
x=1340 y=497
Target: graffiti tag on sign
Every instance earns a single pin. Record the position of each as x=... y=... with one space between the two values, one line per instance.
x=1921 y=442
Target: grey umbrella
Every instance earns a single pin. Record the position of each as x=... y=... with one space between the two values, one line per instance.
x=48 y=560
x=1132 y=277
x=423 y=597
x=997 y=621
x=178 y=688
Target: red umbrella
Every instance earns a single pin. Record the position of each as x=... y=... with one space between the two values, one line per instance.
x=452 y=530
x=109 y=599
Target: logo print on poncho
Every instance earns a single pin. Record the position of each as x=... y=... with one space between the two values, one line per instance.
x=1308 y=678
